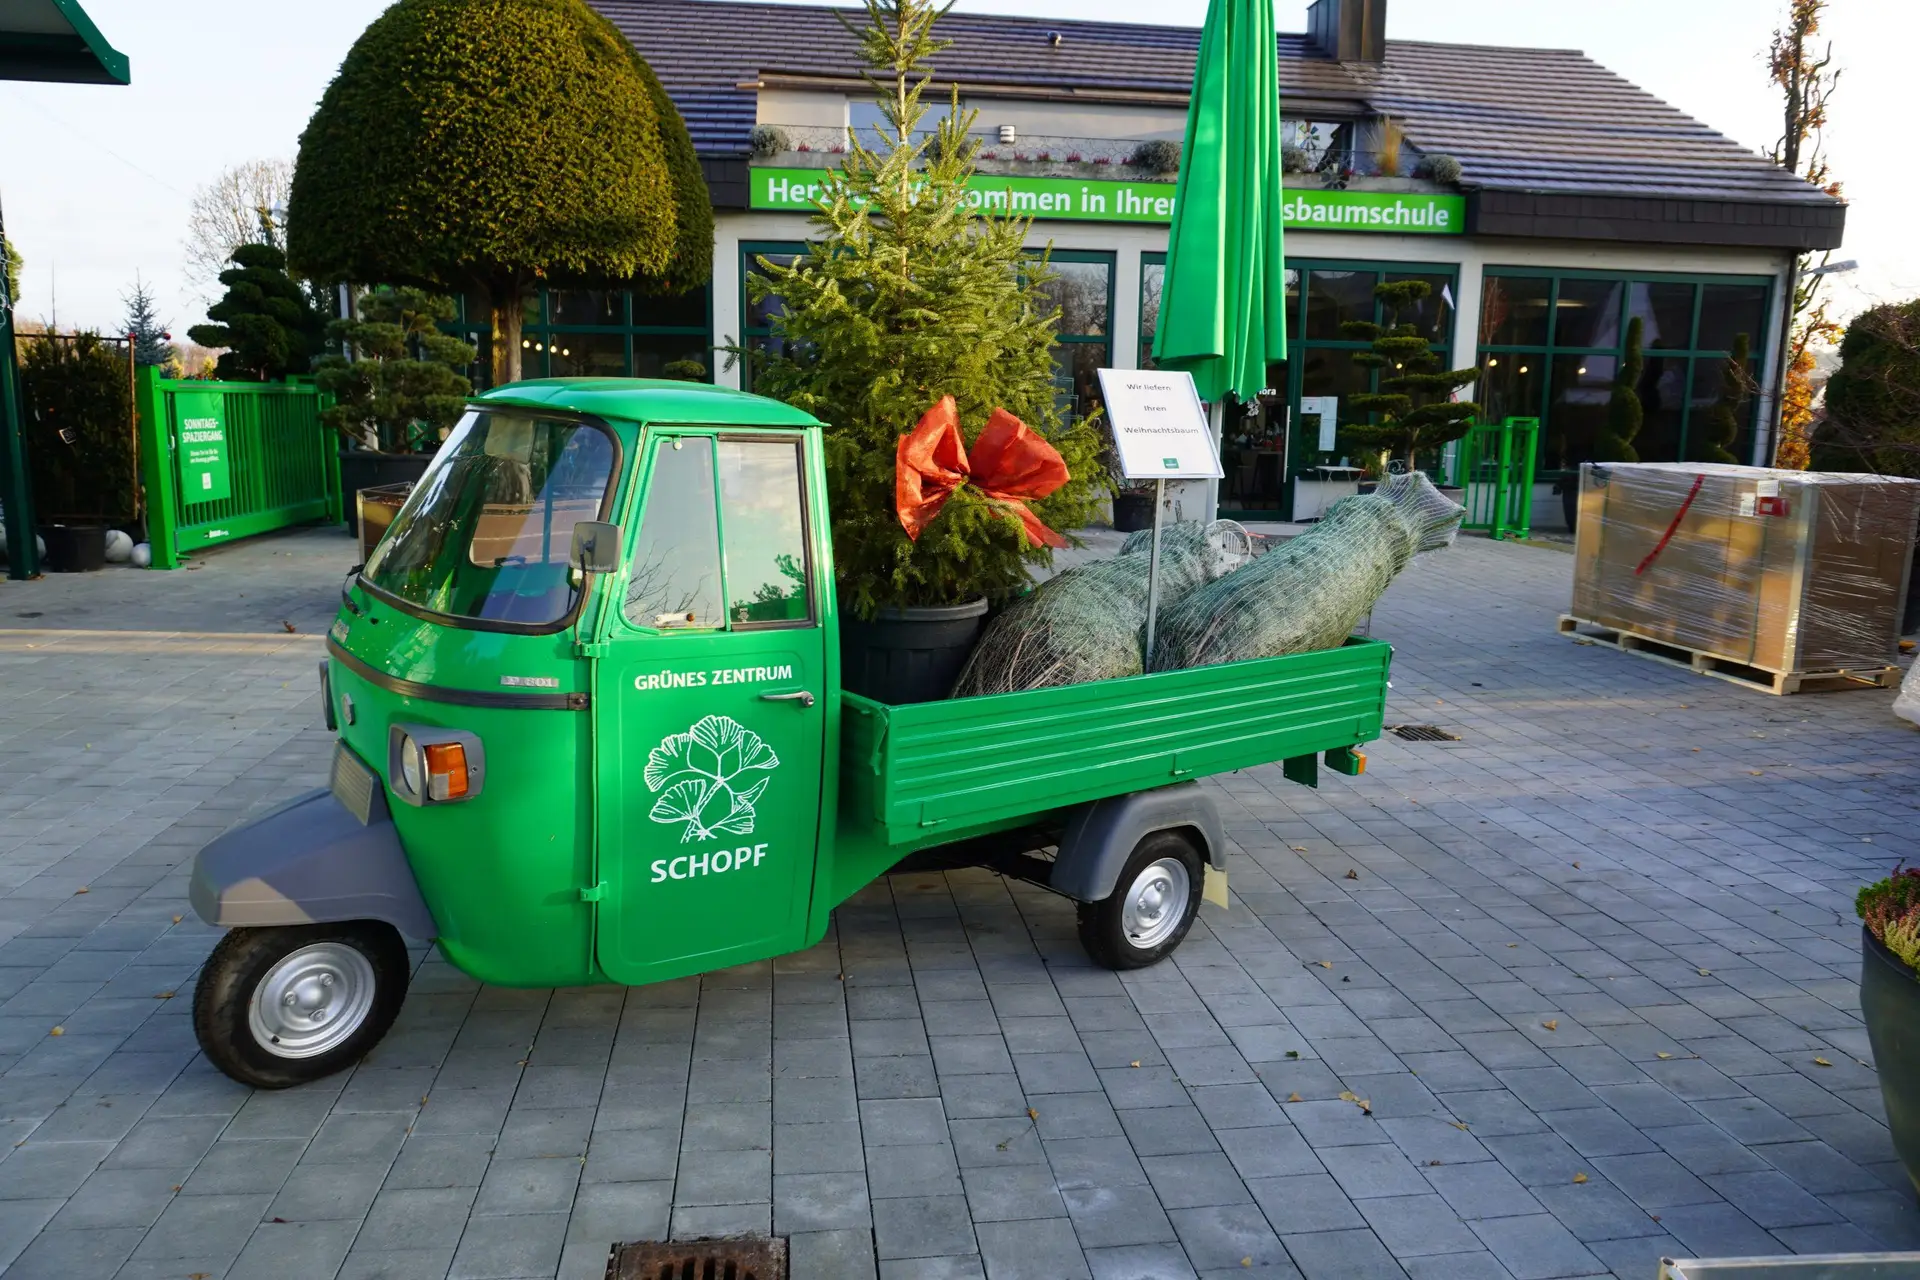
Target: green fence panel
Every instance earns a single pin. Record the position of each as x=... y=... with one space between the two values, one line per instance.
x=1496 y=464
x=226 y=460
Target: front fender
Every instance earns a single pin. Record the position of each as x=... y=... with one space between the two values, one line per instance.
x=308 y=862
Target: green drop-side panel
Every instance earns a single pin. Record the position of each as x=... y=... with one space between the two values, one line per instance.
x=920 y=772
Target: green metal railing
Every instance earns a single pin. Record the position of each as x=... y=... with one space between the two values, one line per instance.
x=1496 y=462
x=226 y=460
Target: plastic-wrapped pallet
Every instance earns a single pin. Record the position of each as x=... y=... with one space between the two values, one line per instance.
x=1084 y=623
x=1906 y=703
x=1310 y=592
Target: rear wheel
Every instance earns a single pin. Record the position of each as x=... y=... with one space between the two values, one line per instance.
x=1152 y=905
x=280 y=1006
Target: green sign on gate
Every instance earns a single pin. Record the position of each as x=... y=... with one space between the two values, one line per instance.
x=206 y=472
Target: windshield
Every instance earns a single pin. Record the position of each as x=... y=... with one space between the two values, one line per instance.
x=486 y=533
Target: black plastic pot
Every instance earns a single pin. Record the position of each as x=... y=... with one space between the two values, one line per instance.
x=1890 y=1002
x=1132 y=512
x=74 y=548
x=1910 y=616
x=908 y=655
x=364 y=469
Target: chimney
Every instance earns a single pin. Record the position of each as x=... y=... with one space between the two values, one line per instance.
x=1349 y=30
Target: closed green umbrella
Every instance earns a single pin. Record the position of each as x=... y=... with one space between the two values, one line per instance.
x=1223 y=307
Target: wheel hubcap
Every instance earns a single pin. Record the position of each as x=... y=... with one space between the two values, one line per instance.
x=1156 y=903
x=312 y=1001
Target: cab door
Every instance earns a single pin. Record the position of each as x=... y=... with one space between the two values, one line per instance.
x=710 y=712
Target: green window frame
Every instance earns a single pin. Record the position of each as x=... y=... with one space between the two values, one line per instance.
x=759 y=337
x=1679 y=371
x=1078 y=354
x=642 y=348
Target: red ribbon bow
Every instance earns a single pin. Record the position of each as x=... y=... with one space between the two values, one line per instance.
x=1010 y=467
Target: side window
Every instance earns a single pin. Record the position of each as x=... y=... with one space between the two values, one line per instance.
x=761 y=505
x=675 y=583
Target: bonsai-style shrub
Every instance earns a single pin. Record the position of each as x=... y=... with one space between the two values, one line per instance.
x=1625 y=414
x=1156 y=155
x=1873 y=398
x=1415 y=405
x=266 y=321
x=77 y=424
x=1723 y=418
x=1891 y=910
x=909 y=293
x=404 y=386
x=496 y=145
x=1438 y=167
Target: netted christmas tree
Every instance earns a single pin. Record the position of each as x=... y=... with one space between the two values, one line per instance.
x=1414 y=404
x=910 y=292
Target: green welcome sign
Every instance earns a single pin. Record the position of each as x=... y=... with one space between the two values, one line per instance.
x=1105 y=200
x=206 y=472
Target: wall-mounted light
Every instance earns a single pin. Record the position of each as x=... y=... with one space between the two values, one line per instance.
x=1523 y=368
x=1008 y=135
x=1492 y=361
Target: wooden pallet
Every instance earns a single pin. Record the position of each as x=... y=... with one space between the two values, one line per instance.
x=1764 y=679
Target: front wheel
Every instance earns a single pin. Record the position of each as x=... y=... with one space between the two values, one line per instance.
x=280 y=1006
x=1152 y=905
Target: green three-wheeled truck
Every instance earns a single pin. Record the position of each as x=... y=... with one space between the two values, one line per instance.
x=591 y=729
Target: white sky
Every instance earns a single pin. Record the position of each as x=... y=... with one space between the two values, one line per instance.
x=96 y=181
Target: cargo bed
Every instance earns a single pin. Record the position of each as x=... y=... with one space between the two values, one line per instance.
x=919 y=775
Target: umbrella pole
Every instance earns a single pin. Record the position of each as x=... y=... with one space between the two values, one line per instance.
x=1153 y=571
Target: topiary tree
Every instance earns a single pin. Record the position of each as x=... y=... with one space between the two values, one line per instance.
x=404 y=387
x=907 y=294
x=1625 y=414
x=496 y=145
x=1415 y=401
x=1873 y=398
x=266 y=321
x=152 y=344
x=76 y=418
x=1722 y=426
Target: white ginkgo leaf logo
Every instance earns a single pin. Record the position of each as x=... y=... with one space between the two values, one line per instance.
x=697 y=778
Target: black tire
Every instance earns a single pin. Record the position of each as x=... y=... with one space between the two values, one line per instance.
x=1103 y=924
x=224 y=1017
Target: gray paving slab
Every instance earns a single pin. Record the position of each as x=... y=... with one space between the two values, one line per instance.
x=945 y=1087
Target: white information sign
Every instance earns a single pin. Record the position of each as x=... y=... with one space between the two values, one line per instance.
x=1327 y=409
x=1159 y=425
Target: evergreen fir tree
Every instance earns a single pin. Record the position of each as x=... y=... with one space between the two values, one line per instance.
x=267 y=321
x=908 y=293
x=1413 y=402
x=152 y=344
x=1625 y=414
x=405 y=385
x=1722 y=426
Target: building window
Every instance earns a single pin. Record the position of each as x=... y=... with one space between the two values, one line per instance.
x=1153 y=281
x=613 y=333
x=1551 y=344
x=1082 y=287
x=756 y=318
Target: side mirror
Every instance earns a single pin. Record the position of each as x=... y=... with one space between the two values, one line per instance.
x=596 y=546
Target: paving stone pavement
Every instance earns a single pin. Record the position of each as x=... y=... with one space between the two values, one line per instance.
x=1549 y=1001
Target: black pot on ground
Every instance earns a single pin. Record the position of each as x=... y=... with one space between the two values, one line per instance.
x=908 y=655
x=1132 y=512
x=1890 y=1002
x=1570 y=501
x=1910 y=616
x=74 y=548
x=365 y=469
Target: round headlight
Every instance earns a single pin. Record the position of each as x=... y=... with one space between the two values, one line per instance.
x=413 y=770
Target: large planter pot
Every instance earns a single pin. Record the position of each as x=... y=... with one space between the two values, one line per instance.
x=908 y=655
x=1132 y=512
x=1570 y=501
x=74 y=548
x=1890 y=1002
x=364 y=469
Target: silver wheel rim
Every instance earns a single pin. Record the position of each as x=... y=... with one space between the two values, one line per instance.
x=1156 y=903
x=312 y=1001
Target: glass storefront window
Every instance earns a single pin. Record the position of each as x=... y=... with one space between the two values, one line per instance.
x=1153 y=280
x=587 y=355
x=1510 y=386
x=1513 y=311
x=586 y=333
x=1431 y=316
x=679 y=311
x=1082 y=291
x=1729 y=310
x=1707 y=396
x=1335 y=297
x=1663 y=408
x=587 y=306
x=672 y=355
x=1587 y=313
x=1577 y=407
x=1665 y=312
x=758 y=316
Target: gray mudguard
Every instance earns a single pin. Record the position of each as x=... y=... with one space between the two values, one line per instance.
x=308 y=862
x=1101 y=836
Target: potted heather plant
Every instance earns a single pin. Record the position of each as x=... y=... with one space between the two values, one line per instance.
x=1890 y=1002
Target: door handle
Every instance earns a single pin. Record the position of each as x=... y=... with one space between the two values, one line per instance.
x=802 y=697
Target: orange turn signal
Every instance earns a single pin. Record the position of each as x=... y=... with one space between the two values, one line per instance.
x=447 y=771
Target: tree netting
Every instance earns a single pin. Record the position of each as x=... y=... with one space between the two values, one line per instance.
x=1085 y=623
x=1309 y=593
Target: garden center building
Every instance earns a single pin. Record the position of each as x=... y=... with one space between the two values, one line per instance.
x=1572 y=203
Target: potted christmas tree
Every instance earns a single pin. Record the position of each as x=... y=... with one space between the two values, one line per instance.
x=1415 y=406
x=910 y=293
x=1890 y=1002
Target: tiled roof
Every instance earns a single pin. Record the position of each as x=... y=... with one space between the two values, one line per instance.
x=1533 y=120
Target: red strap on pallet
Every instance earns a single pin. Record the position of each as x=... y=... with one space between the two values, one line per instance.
x=1678 y=516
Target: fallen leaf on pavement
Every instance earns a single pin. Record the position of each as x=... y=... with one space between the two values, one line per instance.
x=1663 y=1056
x=1352 y=874
x=1576 y=866
x=1551 y=1024
x=1299 y=848
x=1293 y=1097
x=1512 y=945
x=1705 y=973
x=1324 y=964
x=1456 y=1124
x=1821 y=1062
x=177 y=919
x=1348 y=1095
x=288 y=625
x=164 y=995
x=1579 y=1177
x=1293 y=1053
x=58 y=1031
x=1134 y=1063
x=83 y=889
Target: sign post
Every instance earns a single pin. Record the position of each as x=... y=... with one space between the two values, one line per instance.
x=1160 y=431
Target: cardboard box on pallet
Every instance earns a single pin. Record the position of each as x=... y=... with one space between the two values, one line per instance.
x=1784 y=571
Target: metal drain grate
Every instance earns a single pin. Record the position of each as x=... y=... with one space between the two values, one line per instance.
x=747 y=1258
x=1423 y=733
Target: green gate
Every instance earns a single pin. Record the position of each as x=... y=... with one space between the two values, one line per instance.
x=226 y=460
x=1496 y=468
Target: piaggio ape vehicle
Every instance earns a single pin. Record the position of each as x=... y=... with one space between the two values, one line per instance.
x=591 y=730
